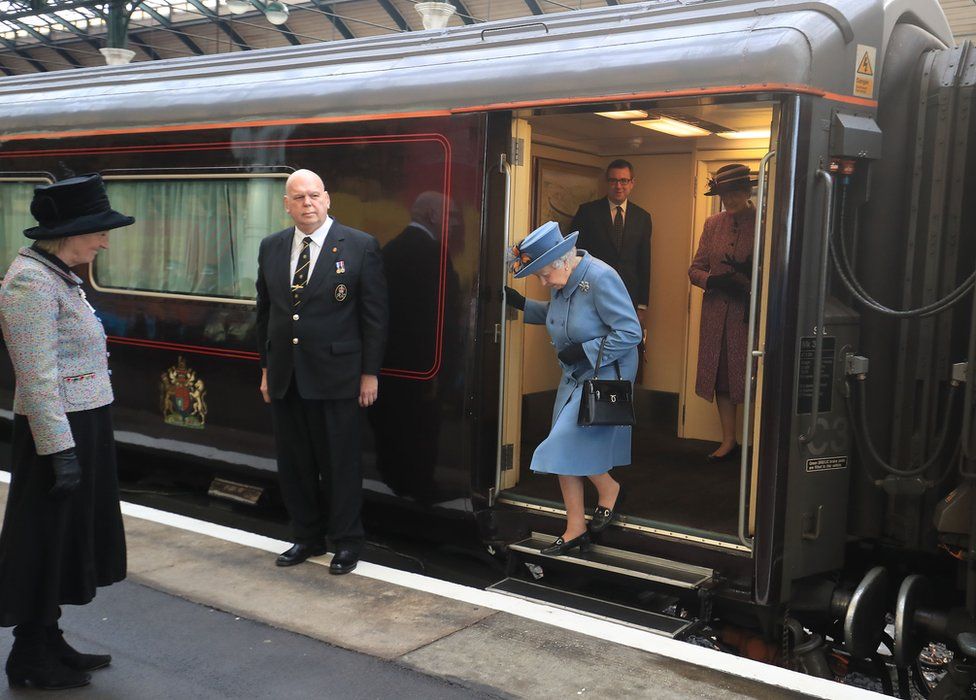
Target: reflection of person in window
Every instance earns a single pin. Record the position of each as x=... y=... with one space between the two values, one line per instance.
x=407 y=420
x=723 y=267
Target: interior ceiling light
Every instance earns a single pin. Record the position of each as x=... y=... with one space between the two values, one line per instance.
x=745 y=134
x=673 y=127
x=624 y=114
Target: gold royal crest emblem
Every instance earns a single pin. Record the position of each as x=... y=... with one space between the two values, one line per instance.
x=182 y=396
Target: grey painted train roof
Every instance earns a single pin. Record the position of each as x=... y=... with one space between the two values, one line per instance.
x=620 y=50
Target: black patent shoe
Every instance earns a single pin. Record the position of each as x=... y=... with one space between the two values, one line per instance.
x=561 y=546
x=602 y=517
x=729 y=456
x=299 y=553
x=71 y=657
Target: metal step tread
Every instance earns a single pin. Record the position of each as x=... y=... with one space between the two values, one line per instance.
x=619 y=561
x=593 y=607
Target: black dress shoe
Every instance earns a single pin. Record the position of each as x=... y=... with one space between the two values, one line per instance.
x=299 y=553
x=602 y=517
x=343 y=562
x=729 y=456
x=561 y=546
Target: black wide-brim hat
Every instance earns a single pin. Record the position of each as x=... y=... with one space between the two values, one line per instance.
x=73 y=207
x=730 y=178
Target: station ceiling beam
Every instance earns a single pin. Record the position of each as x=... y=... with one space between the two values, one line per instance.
x=223 y=24
x=143 y=46
x=166 y=24
x=337 y=22
x=395 y=15
x=463 y=12
x=44 y=42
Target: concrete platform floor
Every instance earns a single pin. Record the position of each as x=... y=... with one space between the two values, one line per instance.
x=203 y=617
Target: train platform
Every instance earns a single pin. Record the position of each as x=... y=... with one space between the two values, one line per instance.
x=205 y=613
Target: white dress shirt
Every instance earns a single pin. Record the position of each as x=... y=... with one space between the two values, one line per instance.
x=314 y=248
x=613 y=209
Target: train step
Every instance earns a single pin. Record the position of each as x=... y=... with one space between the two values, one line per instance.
x=657 y=623
x=618 y=561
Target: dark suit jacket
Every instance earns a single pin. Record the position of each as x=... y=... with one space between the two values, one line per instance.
x=341 y=333
x=633 y=261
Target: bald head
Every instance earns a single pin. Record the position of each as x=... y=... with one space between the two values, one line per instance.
x=306 y=200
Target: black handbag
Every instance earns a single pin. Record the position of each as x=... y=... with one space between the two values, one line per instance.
x=606 y=401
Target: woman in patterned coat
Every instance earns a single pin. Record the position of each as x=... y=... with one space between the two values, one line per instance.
x=62 y=531
x=723 y=268
x=588 y=303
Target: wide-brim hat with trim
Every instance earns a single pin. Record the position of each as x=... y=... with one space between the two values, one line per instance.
x=540 y=248
x=730 y=178
x=73 y=207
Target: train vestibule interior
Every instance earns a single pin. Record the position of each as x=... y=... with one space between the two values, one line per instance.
x=670 y=486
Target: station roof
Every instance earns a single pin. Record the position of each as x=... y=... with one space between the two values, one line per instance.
x=50 y=35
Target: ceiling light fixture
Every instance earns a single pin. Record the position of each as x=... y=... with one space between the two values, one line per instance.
x=627 y=114
x=745 y=134
x=276 y=12
x=672 y=127
x=239 y=7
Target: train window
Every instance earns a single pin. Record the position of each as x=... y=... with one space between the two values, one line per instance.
x=15 y=199
x=192 y=236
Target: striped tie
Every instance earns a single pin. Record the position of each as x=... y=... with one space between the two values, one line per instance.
x=300 y=279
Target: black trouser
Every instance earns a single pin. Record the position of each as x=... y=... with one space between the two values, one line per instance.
x=318 y=447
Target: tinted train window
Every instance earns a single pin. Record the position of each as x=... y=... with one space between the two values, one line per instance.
x=15 y=199
x=192 y=236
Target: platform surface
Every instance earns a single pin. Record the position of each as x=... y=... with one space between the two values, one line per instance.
x=203 y=617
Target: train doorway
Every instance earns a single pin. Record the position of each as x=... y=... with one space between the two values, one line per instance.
x=672 y=489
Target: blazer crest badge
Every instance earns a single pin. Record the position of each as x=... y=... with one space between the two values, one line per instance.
x=182 y=396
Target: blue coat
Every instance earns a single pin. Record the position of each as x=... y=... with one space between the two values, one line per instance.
x=594 y=304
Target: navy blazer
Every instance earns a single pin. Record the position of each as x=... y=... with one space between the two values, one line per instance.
x=338 y=332
x=633 y=261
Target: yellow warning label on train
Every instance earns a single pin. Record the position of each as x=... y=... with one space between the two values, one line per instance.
x=864 y=70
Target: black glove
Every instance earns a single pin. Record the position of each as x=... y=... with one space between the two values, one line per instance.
x=744 y=267
x=571 y=354
x=514 y=299
x=67 y=472
x=724 y=282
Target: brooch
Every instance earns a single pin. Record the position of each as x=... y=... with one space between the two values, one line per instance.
x=584 y=286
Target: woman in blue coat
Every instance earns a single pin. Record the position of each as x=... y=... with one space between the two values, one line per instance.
x=588 y=303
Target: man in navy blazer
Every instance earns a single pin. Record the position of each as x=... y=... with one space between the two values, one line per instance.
x=321 y=325
x=618 y=232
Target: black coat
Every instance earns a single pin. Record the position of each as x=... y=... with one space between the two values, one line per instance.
x=340 y=326
x=633 y=261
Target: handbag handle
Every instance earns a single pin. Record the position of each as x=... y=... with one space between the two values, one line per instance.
x=599 y=361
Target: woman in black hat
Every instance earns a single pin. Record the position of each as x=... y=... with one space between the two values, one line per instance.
x=723 y=268
x=62 y=532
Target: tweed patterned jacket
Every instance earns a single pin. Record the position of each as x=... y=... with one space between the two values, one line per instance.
x=57 y=347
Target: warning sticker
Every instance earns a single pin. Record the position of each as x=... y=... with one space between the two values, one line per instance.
x=864 y=70
x=824 y=464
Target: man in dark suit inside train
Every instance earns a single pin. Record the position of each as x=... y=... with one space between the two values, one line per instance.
x=321 y=324
x=617 y=231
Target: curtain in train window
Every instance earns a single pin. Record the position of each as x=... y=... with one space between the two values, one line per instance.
x=197 y=236
x=15 y=199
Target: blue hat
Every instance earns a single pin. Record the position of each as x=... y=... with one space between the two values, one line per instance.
x=540 y=248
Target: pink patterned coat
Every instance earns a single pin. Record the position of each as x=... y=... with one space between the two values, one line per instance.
x=723 y=234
